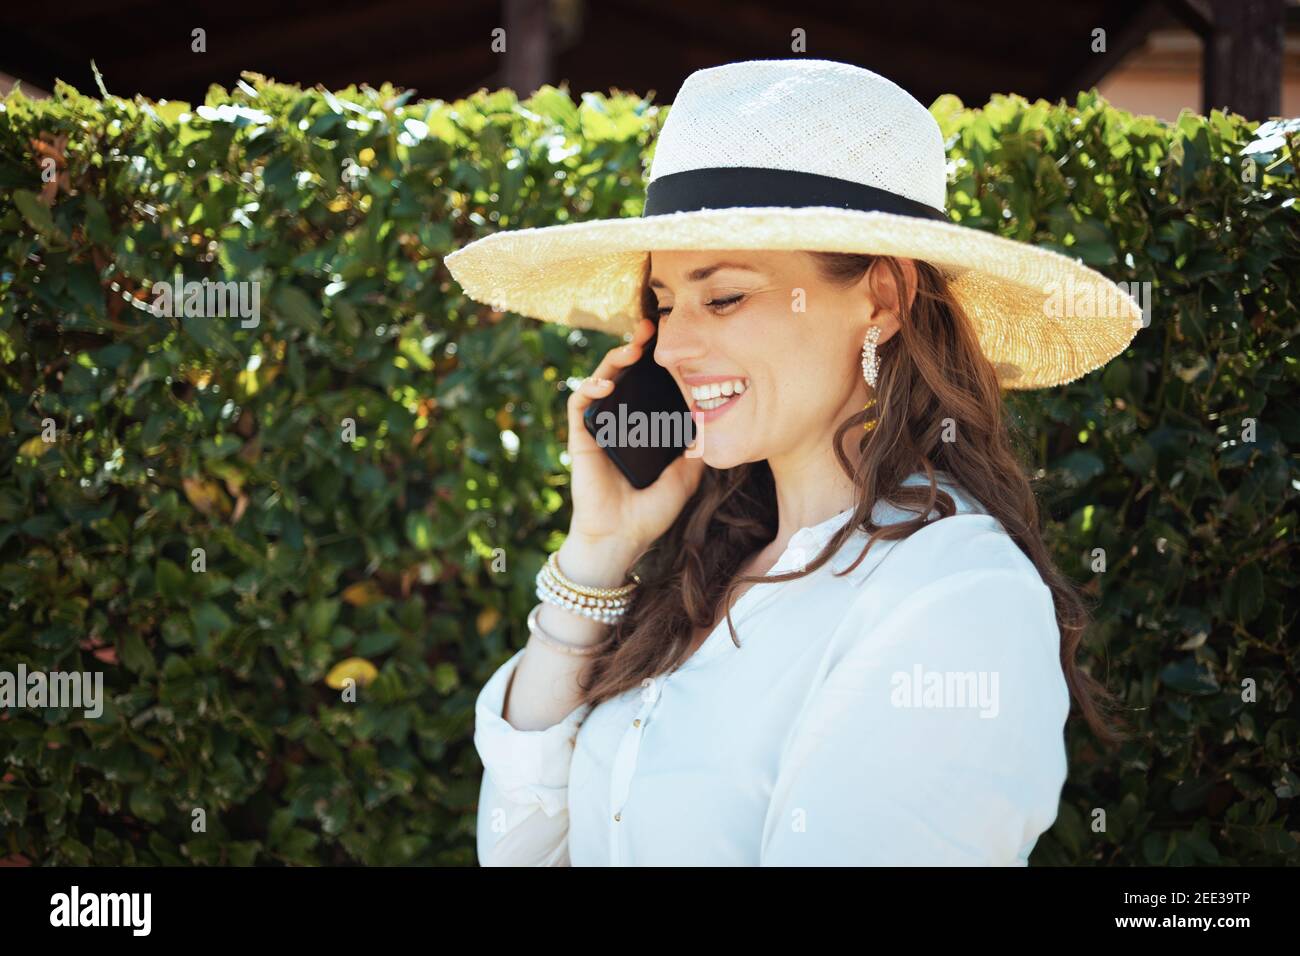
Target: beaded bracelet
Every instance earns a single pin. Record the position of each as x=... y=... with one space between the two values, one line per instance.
x=564 y=647
x=548 y=580
x=553 y=565
x=606 y=605
x=606 y=614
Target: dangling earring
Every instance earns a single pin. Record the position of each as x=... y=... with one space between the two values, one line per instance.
x=870 y=369
x=871 y=361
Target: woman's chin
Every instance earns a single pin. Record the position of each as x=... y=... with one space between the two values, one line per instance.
x=723 y=455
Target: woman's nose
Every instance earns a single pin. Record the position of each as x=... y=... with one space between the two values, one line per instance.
x=676 y=342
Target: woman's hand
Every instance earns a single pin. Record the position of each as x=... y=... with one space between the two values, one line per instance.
x=610 y=517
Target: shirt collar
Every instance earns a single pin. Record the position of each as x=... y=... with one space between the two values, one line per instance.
x=813 y=538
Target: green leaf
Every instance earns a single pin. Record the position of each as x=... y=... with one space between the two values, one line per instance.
x=211 y=332
x=1248 y=592
x=420 y=531
x=1187 y=676
x=296 y=308
x=169 y=579
x=147 y=804
x=37 y=215
x=97 y=225
x=136 y=655
x=209 y=621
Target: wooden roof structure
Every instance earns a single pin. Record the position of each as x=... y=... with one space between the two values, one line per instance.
x=445 y=49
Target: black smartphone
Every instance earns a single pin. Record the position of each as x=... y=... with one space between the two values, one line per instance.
x=643 y=424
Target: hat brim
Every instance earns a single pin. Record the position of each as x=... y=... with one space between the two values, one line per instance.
x=1042 y=318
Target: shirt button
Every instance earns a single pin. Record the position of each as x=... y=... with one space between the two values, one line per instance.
x=637 y=722
x=617 y=817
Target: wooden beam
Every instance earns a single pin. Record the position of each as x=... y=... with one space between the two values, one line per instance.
x=1122 y=38
x=885 y=43
x=1243 y=58
x=443 y=78
x=281 y=37
x=30 y=90
x=528 y=62
x=1195 y=15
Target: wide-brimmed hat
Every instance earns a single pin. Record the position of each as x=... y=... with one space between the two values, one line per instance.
x=815 y=155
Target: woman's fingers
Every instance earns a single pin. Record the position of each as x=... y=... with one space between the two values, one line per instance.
x=624 y=355
x=601 y=382
x=587 y=392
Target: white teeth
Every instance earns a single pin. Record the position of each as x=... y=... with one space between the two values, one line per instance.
x=716 y=390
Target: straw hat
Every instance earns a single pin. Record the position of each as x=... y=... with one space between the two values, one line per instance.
x=816 y=155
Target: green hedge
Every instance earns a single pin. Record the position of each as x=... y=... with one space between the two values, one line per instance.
x=412 y=546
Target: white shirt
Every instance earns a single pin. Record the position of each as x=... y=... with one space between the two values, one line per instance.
x=909 y=713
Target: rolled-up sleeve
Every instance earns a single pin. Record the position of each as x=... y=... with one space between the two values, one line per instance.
x=936 y=737
x=523 y=817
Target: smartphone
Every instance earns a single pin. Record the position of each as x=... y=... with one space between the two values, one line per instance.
x=630 y=423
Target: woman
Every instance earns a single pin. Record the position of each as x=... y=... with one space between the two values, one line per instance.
x=895 y=671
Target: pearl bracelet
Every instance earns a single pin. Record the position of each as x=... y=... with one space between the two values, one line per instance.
x=605 y=615
x=547 y=580
x=606 y=605
x=617 y=594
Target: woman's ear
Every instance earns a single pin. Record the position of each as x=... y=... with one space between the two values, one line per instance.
x=885 y=293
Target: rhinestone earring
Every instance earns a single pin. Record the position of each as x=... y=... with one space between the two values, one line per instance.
x=870 y=369
x=871 y=361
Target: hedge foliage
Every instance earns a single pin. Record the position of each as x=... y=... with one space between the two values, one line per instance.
x=405 y=555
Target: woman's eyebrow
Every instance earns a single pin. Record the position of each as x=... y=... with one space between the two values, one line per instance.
x=705 y=271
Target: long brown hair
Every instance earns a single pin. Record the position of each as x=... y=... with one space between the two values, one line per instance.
x=931 y=371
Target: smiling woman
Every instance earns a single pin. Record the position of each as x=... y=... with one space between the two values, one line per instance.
x=854 y=504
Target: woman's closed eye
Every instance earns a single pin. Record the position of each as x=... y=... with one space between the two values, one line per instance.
x=716 y=304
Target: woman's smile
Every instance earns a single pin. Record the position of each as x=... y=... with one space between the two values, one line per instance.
x=712 y=396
